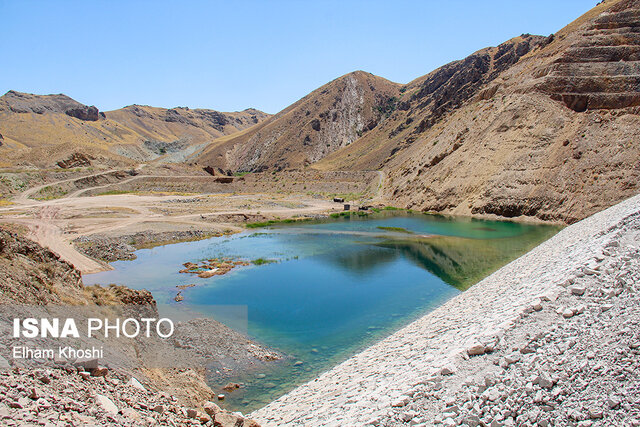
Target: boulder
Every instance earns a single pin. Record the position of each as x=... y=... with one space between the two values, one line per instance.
x=231 y=387
x=100 y=371
x=475 y=349
x=106 y=404
x=136 y=384
x=577 y=290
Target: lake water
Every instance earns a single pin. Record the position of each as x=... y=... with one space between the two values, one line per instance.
x=329 y=288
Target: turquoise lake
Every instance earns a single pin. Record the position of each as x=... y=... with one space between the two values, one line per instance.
x=328 y=288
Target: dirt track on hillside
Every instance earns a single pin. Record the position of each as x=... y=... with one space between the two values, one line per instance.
x=56 y=223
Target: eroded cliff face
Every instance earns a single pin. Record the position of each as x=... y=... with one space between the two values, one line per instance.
x=17 y=102
x=323 y=122
x=600 y=68
x=33 y=275
x=425 y=102
x=554 y=137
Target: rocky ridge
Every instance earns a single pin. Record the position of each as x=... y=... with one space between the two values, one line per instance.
x=601 y=69
x=550 y=137
x=427 y=100
x=328 y=119
x=18 y=102
x=44 y=130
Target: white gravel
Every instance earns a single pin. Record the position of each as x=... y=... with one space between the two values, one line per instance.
x=518 y=348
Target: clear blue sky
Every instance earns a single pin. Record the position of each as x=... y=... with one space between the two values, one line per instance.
x=231 y=55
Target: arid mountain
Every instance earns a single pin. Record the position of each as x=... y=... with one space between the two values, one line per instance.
x=544 y=127
x=426 y=100
x=43 y=130
x=328 y=119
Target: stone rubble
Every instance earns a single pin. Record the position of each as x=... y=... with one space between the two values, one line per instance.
x=67 y=395
x=552 y=338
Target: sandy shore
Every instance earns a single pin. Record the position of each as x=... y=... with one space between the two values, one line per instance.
x=393 y=375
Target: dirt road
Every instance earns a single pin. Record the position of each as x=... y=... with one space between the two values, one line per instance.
x=56 y=223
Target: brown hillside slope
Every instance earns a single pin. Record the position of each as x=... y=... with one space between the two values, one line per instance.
x=42 y=130
x=426 y=100
x=326 y=120
x=553 y=136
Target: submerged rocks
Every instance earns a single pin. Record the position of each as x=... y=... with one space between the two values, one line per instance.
x=212 y=267
x=231 y=387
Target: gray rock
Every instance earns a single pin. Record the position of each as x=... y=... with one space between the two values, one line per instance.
x=577 y=290
x=106 y=404
x=475 y=349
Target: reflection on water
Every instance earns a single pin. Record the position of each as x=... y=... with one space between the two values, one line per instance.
x=337 y=286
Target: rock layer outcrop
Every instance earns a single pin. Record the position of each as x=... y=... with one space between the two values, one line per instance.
x=601 y=69
x=522 y=143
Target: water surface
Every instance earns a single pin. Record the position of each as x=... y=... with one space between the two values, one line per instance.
x=333 y=287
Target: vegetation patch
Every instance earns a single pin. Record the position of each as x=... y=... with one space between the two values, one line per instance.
x=275 y=221
x=396 y=229
x=113 y=192
x=262 y=261
x=51 y=193
x=347 y=214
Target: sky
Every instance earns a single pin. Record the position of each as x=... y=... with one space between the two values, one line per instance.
x=232 y=55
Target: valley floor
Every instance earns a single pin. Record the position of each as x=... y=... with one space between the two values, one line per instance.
x=157 y=206
x=550 y=339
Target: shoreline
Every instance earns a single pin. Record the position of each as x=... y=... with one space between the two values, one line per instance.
x=363 y=389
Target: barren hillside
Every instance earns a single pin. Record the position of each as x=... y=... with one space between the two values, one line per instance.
x=42 y=130
x=328 y=119
x=426 y=100
x=555 y=136
x=544 y=127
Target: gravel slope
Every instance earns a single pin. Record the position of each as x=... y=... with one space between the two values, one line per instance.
x=564 y=313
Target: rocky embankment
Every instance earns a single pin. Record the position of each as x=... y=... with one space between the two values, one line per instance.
x=67 y=390
x=549 y=339
x=114 y=248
